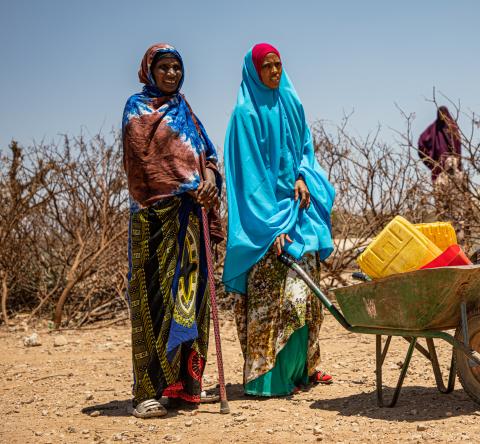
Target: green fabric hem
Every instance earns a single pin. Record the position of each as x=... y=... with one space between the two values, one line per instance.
x=290 y=369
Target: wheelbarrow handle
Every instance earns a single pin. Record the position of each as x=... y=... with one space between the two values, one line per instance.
x=293 y=265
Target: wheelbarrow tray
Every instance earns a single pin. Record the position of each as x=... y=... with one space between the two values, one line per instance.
x=419 y=300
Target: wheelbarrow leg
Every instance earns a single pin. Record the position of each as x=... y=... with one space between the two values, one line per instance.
x=381 y=354
x=431 y=355
x=419 y=347
x=438 y=373
x=385 y=348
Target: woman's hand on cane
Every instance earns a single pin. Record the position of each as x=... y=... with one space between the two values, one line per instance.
x=207 y=193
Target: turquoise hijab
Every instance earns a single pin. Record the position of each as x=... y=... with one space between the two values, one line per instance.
x=268 y=146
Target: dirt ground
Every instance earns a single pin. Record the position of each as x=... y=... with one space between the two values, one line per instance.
x=75 y=388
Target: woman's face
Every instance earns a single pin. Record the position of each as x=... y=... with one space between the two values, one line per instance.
x=271 y=70
x=167 y=73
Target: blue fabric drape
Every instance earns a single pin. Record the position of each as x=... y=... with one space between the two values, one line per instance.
x=268 y=145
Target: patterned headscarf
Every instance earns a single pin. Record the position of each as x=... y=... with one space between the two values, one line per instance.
x=165 y=146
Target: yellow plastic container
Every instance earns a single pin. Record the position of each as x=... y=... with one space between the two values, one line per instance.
x=399 y=248
x=442 y=234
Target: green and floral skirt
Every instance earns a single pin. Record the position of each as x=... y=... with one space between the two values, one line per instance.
x=278 y=323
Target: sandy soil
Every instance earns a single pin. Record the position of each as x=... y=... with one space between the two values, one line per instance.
x=80 y=392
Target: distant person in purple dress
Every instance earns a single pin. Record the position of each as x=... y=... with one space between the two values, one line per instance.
x=440 y=149
x=440 y=146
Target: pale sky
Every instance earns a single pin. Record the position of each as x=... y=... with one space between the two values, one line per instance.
x=68 y=67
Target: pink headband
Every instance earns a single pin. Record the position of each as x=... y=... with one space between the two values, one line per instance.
x=259 y=53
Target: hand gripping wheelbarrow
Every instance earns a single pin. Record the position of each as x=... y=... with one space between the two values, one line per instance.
x=418 y=304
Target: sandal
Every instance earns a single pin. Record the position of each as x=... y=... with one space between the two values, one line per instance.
x=208 y=398
x=320 y=377
x=150 y=408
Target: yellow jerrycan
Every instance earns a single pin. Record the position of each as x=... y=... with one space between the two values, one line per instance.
x=400 y=247
x=442 y=234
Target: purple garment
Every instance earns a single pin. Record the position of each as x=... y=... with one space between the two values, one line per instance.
x=440 y=141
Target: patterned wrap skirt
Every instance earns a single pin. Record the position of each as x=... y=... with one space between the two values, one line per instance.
x=278 y=323
x=169 y=300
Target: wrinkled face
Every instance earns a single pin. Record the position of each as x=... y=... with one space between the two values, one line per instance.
x=167 y=73
x=271 y=70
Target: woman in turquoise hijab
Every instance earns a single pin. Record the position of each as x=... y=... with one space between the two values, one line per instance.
x=279 y=199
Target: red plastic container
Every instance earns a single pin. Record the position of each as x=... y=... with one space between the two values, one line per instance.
x=453 y=255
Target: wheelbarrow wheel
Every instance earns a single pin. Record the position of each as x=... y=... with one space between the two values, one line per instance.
x=469 y=376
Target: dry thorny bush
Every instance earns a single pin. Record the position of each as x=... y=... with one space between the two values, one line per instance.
x=63 y=230
x=64 y=215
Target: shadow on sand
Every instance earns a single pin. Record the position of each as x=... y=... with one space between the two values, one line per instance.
x=416 y=403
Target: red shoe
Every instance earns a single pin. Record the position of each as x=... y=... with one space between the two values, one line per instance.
x=320 y=377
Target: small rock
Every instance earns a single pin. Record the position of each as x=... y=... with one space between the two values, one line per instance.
x=421 y=427
x=88 y=397
x=188 y=423
x=95 y=413
x=71 y=429
x=85 y=432
x=44 y=412
x=60 y=341
x=31 y=341
x=414 y=411
x=38 y=433
x=317 y=430
x=240 y=419
x=171 y=438
x=282 y=409
x=269 y=431
x=449 y=413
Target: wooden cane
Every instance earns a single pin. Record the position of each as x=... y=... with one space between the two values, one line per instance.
x=224 y=408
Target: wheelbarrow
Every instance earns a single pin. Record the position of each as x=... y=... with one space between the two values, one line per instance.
x=419 y=304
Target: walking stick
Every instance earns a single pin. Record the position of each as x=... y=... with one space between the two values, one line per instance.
x=224 y=408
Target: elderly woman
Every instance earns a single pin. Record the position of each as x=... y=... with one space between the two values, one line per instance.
x=279 y=199
x=171 y=167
